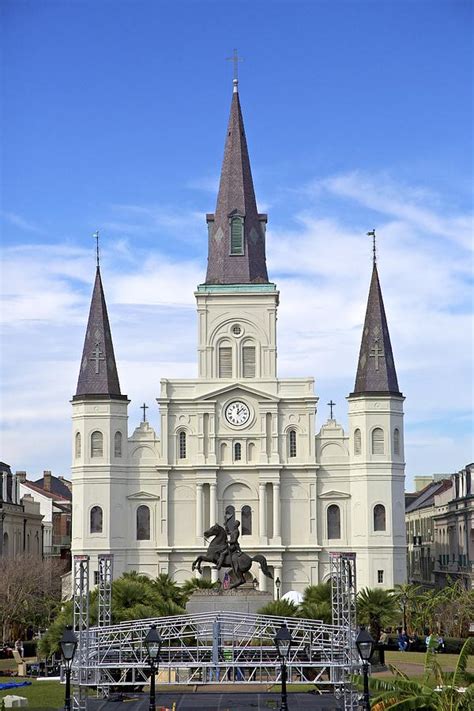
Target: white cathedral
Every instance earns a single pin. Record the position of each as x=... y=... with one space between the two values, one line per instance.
x=237 y=439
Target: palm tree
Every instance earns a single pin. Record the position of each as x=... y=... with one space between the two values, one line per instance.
x=279 y=608
x=376 y=608
x=452 y=691
x=168 y=589
x=316 y=603
x=407 y=596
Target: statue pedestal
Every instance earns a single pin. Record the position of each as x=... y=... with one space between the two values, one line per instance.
x=245 y=600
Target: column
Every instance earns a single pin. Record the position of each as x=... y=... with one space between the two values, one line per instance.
x=262 y=581
x=199 y=511
x=276 y=510
x=212 y=503
x=262 y=512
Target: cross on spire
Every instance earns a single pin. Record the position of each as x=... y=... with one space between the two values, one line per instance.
x=144 y=408
x=376 y=352
x=235 y=59
x=374 y=246
x=97 y=356
x=331 y=405
x=96 y=236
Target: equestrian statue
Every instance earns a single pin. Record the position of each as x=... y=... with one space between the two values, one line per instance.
x=225 y=552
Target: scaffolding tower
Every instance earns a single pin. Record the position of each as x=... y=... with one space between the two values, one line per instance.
x=106 y=563
x=343 y=596
x=81 y=628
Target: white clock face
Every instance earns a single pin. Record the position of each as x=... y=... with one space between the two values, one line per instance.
x=237 y=413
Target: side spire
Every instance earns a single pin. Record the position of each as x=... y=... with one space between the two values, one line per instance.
x=376 y=372
x=236 y=230
x=98 y=375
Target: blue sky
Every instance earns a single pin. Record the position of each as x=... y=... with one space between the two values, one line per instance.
x=358 y=115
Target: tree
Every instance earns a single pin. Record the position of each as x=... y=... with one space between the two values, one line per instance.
x=376 y=608
x=279 y=608
x=316 y=603
x=168 y=589
x=30 y=593
x=407 y=596
x=451 y=691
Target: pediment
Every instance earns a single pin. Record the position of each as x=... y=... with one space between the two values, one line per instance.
x=143 y=496
x=334 y=495
x=239 y=389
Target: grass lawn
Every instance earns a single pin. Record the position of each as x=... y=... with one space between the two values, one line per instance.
x=40 y=695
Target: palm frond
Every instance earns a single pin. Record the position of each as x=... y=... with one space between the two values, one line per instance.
x=461 y=666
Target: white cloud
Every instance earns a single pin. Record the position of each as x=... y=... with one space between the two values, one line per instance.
x=18 y=221
x=322 y=269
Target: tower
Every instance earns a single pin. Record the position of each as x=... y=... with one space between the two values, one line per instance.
x=376 y=453
x=100 y=439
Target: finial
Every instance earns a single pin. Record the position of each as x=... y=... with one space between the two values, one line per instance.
x=235 y=59
x=96 y=235
x=374 y=247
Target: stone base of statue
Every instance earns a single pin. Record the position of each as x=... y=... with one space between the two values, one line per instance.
x=244 y=599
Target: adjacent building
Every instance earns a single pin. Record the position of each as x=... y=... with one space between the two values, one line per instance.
x=238 y=440
x=21 y=529
x=440 y=532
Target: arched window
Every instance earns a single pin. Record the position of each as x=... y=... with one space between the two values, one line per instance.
x=118 y=444
x=143 y=523
x=246 y=515
x=96 y=519
x=396 y=441
x=357 y=441
x=229 y=516
x=334 y=522
x=237 y=451
x=251 y=452
x=77 y=449
x=248 y=361
x=377 y=441
x=5 y=544
x=225 y=361
x=97 y=444
x=292 y=443
x=182 y=445
x=237 y=235
x=379 y=518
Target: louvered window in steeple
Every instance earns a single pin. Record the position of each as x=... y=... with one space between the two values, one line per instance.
x=225 y=362
x=248 y=361
x=237 y=235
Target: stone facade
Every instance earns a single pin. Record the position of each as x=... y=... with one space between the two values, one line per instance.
x=238 y=436
x=20 y=518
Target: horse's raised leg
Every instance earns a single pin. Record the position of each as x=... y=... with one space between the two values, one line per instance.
x=197 y=564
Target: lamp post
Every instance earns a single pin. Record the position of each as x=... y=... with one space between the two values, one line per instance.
x=278 y=585
x=283 y=642
x=365 y=646
x=153 y=648
x=68 y=644
x=255 y=584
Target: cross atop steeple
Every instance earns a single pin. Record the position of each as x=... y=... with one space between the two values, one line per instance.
x=144 y=408
x=96 y=236
x=374 y=246
x=235 y=59
x=331 y=405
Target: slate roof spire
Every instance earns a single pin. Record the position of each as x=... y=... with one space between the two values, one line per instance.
x=229 y=262
x=98 y=377
x=376 y=374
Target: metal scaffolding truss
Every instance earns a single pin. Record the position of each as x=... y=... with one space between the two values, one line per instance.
x=81 y=627
x=106 y=562
x=343 y=595
x=214 y=647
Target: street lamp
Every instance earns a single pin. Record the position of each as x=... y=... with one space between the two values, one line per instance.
x=365 y=646
x=255 y=583
x=278 y=585
x=153 y=648
x=68 y=644
x=283 y=642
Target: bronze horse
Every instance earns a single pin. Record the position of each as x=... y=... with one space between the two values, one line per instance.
x=218 y=545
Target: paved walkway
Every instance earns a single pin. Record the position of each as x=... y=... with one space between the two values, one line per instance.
x=219 y=701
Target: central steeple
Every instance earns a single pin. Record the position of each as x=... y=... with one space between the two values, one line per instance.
x=237 y=230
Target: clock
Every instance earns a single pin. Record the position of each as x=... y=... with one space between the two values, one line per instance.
x=237 y=413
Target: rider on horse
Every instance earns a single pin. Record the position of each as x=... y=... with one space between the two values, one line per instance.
x=233 y=547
